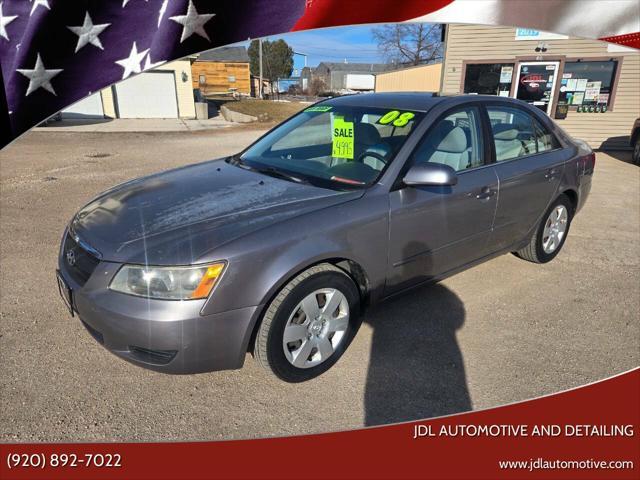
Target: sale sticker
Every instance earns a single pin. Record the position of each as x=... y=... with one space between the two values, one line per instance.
x=318 y=108
x=342 y=138
x=399 y=119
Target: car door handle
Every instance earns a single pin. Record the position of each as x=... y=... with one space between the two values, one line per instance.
x=486 y=193
x=551 y=174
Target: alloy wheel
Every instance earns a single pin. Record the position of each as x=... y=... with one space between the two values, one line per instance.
x=554 y=229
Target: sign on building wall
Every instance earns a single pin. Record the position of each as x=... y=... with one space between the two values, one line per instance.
x=506 y=73
x=531 y=34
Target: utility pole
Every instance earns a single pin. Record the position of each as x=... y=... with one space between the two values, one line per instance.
x=260 y=57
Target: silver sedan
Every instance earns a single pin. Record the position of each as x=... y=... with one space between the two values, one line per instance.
x=278 y=249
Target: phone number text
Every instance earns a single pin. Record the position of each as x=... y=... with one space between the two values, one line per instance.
x=63 y=460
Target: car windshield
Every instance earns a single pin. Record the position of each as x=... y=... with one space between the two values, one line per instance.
x=332 y=146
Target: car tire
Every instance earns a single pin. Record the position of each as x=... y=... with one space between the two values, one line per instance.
x=541 y=248
x=287 y=312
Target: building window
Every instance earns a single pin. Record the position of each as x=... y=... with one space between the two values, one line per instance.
x=588 y=82
x=203 y=79
x=488 y=78
x=232 y=79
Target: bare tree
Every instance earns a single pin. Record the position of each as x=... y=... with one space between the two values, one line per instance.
x=409 y=43
x=316 y=87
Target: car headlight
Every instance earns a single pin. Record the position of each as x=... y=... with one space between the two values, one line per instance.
x=168 y=283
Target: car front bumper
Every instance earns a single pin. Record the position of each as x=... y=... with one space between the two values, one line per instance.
x=162 y=335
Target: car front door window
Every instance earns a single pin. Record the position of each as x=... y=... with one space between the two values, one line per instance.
x=455 y=141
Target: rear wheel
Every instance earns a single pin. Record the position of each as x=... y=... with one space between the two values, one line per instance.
x=309 y=325
x=549 y=237
x=636 y=151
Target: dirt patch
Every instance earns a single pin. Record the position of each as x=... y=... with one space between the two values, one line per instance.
x=266 y=110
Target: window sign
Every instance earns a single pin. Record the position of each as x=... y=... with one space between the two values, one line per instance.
x=561 y=111
x=592 y=91
x=506 y=73
x=578 y=98
x=342 y=138
x=319 y=108
x=581 y=84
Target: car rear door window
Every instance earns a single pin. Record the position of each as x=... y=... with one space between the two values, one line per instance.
x=513 y=132
x=455 y=140
x=545 y=140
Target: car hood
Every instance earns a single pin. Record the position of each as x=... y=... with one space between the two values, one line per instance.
x=181 y=216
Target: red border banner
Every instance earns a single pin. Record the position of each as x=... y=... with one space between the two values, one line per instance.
x=589 y=425
x=333 y=13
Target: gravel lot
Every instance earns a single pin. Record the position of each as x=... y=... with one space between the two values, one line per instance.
x=505 y=331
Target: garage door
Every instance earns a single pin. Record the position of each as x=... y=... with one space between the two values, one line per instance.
x=90 y=107
x=148 y=95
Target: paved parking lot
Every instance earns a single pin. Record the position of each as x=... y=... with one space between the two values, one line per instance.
x=504 y=331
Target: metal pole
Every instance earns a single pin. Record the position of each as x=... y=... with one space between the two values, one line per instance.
x=260 y=57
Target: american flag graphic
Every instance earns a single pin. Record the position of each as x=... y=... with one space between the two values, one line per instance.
x=56 y=52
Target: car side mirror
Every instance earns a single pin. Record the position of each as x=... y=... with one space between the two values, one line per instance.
x=431 y=174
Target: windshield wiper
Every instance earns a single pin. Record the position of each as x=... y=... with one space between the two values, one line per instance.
x=274 y=172
x=237 y=161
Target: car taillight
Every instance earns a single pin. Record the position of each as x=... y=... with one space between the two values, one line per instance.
x=589 y=162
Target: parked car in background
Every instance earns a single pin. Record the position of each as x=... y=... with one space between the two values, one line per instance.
x=635 y=141
x=277 y=250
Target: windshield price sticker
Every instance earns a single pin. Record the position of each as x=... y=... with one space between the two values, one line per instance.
x=318 y=108
x=342 y=137
x=396 y=118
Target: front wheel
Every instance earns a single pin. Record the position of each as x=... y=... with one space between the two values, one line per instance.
x=309 y=325
x=549 y=237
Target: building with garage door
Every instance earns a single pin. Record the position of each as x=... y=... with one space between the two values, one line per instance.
x=164 y=92
x=589 y=87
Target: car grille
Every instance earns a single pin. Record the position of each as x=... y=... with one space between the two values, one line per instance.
x=84 y=262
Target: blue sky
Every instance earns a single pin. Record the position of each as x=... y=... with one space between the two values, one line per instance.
x=356 y=44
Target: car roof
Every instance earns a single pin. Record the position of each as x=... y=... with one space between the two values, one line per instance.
x=416 y=101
